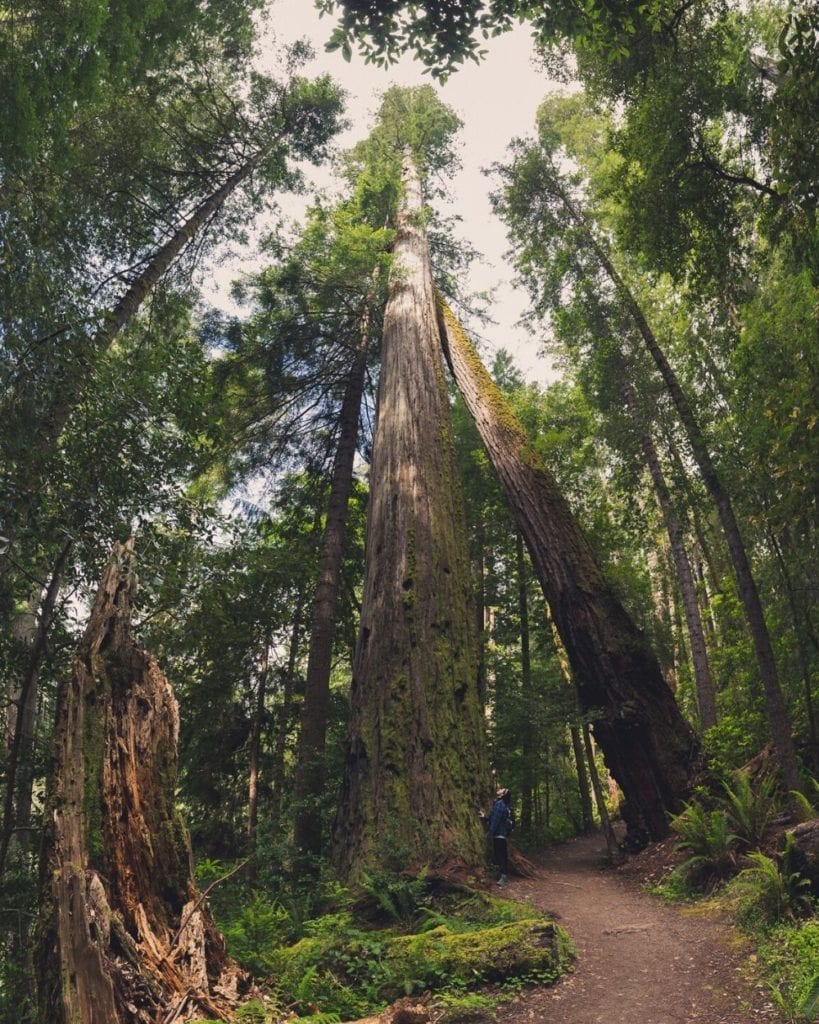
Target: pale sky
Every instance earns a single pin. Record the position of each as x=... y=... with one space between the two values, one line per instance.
x=496 y=100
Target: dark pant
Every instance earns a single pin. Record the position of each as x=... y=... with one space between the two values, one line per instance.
x=499 y=853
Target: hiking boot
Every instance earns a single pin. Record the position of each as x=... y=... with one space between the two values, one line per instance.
x=503 y=880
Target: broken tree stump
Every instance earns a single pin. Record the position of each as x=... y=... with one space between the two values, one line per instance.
x=124 y=937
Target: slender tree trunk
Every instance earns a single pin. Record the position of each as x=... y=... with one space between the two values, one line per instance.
x=254 y=759
x=310 y=774
x=124 y=936
x=777 y=712
x=415 y=773
x=706 y=696
x=582 y=778
x=20 y=752
x=658 y=570
x=707 y=575
x=648 y=746
x=43 y=435
x=283 y=720
x=574 y=730
x=615 y=854
x=799 y=618
x=20 y=715
x=527 y=744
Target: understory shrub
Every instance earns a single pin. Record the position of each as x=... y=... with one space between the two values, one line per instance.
x=400 y=899
x=712 y=828
x=771 y=891
x=750 y=809
x=460 y=942
x=706 y=837
x=789 y=959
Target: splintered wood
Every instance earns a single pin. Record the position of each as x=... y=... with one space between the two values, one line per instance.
x=129 y=939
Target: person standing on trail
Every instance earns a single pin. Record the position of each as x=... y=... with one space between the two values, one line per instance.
x=498 y=829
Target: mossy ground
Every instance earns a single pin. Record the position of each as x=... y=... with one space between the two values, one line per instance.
x=452 y=945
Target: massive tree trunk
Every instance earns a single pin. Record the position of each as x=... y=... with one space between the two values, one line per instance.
x=706 y=695
x=124 y=936
x=649 y=748
x=480 y=611
x=415 y=773
x=309 y=777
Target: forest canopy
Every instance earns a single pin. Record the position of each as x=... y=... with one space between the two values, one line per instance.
x=294 y=580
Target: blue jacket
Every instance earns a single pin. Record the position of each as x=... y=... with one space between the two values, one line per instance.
x=500 y=821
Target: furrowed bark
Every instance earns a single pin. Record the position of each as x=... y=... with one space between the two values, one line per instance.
x=527 y=744
x=124 y=937
x=415 y=773
x=649 y=748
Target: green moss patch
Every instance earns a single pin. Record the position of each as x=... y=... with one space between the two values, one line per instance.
x=464 y=942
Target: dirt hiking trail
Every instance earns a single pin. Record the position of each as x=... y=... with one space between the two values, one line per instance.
x=640 y=961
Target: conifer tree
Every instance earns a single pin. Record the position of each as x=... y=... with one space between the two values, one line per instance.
x=415 y=769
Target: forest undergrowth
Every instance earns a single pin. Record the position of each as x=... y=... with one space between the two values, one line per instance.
x=327 y=954
x=736 y=854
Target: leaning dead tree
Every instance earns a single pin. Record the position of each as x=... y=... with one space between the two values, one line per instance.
x=124 y=936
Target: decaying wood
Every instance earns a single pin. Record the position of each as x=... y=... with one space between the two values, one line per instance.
x=125 y=937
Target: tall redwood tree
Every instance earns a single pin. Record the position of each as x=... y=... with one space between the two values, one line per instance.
x=649 y=747
x=415 y=769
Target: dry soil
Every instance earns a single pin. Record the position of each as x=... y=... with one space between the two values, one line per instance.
x=640 y=960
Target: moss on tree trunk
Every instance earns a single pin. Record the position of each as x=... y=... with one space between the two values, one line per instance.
x=124 y=936
x=649 y=748
x=415 y=771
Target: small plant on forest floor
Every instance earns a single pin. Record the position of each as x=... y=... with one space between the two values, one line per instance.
x=807 y=803
x=787 y=952
x=750 y=810
x=799 y=1007
x=261 y=923
x=454 y=1007
x=706 y=837
x=770 y=891
x=788 y=955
